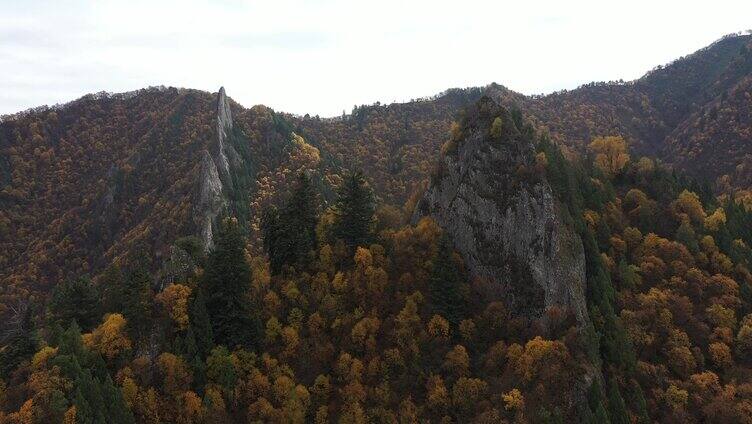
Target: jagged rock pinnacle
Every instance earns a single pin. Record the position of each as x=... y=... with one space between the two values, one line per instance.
x=215 y=175
x=224 y=129
x=506 y=223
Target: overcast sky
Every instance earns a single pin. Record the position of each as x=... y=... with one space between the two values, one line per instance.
x=323 y=57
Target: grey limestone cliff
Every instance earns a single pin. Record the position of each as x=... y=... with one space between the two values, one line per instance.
x=209 y=201
x=226 y=156
x=214 y=178
x=503 y=218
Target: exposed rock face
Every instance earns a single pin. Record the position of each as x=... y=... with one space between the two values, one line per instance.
x=215 y=177
x=226 y=154
x=503 y=218
x=209 y=200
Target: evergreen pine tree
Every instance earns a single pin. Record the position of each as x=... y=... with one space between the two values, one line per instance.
x=76 y=300
x=290 y=234
x=596 y=412
x=226 y=283
x=198 y=368
x=200 y=325
x=117 y=410
x=354 y=209
x=275 y=238
x=601 y=416
x=111 y=286
x=638 y=403
x=95 y=396
x=628 y=277
x=444 y=288
x=22 y=343
x=616 y=407
x=137 y=298
x=301 y=215
x=685 y=234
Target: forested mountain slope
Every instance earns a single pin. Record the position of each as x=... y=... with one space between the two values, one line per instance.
x=654 y=113
x=394 y=143
x=84 y=183
x=168 y=255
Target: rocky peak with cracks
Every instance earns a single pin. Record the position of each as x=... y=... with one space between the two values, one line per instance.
x=214 y=177
x=503 y=218
x=226 y=156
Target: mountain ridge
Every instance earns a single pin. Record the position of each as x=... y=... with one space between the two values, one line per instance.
x=98 y=140
x=478 y=257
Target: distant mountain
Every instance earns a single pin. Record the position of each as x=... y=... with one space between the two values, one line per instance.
x=396 y=143
x=655 y=113
x=85 y=183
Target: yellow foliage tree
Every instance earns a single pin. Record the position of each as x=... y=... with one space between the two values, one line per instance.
x=645 y=166
x=676 y=398
x=176 y=375
x=192 y=408
x=537 y=357
x=438 y=328
x=70 y=415
x=466 y=392
x=437 y=395
x=688 y=207
x=174 y=299
x=720 y=354
x=496 y=126
x=513 y=400
x=457 y=361
x=714 y=221
x=610 y=154
x=110 y=337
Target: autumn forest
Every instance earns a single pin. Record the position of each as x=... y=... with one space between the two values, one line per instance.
x=481 y=256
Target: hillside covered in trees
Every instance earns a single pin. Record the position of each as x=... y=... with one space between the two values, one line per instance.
x=169 y=256
x=693 y=108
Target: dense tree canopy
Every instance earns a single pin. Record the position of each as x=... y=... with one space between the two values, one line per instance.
x=332 y=308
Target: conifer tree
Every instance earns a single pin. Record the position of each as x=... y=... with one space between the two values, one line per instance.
x=354 y=209
x=22 y=343
x=601 y=416
x=638 y=403
x=75 y=300
x=137 y=298
x=111 y=286
x=117 y=410
x=628 y=277
x=617 y=408
x=95 y=396
x=446 y=298
x=685 y=234
x=200 y=326
x=596 y=412
x=290 y=234
x=226 y=283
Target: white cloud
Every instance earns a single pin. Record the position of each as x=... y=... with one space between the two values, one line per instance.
x=321 y=57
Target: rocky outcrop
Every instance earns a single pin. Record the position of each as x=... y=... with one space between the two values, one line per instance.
x=503 y=218
x=226 y=155
x=214 y=176
x=209 y=201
